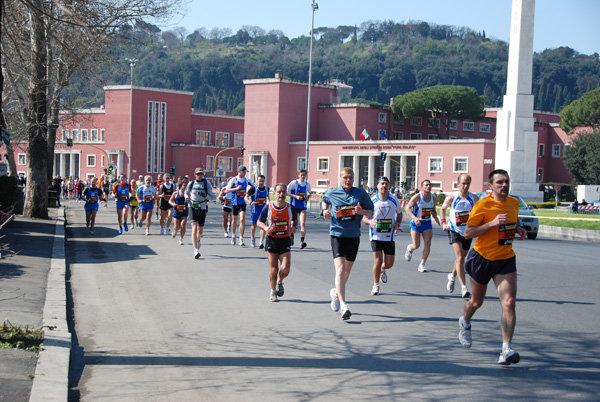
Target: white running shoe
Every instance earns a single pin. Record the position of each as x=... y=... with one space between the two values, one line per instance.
x=253 y=242
x=181 y=242
x=174 y=233
x=465 y=292
x=464 y=335
x=508 y=356
x=147 y=232
x=421 y=268
x=233 y=241
x=261 y=245
x=162 y=231
x=408 y=254
x=345 y=312
x=241 y=243
x=273 y=296
x=383 y=277
x=225 y=234
x=280 y=290
x=375 y=290
x=196 y=253
x=450 y=285
x=335 y=300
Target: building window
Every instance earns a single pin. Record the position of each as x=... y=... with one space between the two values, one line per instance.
x=90 y=176
x=65 y=135
x=102 y=161
x=467 y=138
x=416 y=121
x=102 y=135
x=461 y=164
x=323 y=164
x=436 y=186
x=485 y=127
x=453 y=124
x=433 y=123
x=382 y=117
x=435 y=164
x=210 y=163
x=91 y=161
x=238 y=139
x=541 y=150
x=301 y=163
x=156 y=136
x=75 y=135
x=84 y=135
x=322 y=183
x=202 y=137
x=432 y=136
x=94 y=137
x=383 y=134
x=415 y=136
x=468 y=126
x=540 y=175
x=556 y=150
x=226 y=162
x=222 y=139
x=240 y=162
x=398 y=119
x=348 y=161
x=398 y=135
x=452 y=137
x=21 y=159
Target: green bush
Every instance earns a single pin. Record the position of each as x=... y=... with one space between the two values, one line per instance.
x=543 y=205
x=8 y=191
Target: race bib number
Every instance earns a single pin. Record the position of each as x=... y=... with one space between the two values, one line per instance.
x=384 y=226
x=260 y=201
x=426 y=214
x=93 y=199
x=180 y=207
x=345 y=213
x=123 y=198
x=506 y=234
x=147 y=198
x=462 y=218
x=240 y=193
x=195 y=205
x=280 y=228
x=228 y=202
x=302 y=196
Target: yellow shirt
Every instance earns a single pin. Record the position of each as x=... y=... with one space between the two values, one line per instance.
x=496 y=243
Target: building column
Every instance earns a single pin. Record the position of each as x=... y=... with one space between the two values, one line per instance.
x=387 y=167
x=403 y=172
x=120 y=165
x=72 y=164
x=370 y=177
x=355 y=164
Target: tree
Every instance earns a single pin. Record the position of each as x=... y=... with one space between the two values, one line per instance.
x=443 y=102
x=581 y=158
x=582 y=112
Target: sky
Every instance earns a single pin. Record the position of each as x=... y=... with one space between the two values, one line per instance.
x=572 y=23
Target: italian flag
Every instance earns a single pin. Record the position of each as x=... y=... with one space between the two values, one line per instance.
x=364 y=135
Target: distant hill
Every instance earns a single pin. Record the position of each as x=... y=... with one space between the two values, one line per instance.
x=379 y=59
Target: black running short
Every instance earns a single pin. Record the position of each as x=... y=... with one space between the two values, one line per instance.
x=388 y=247
x=278 y=245
x=237 y=208
x=346 y=247
x=482 y=270
x=454 y=237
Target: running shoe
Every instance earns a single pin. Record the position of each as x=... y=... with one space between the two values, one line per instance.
x=408 y=254
x=253 y=243
x=168 y=231
x=233 y=241
x=174 y=234
x=241 y=243
x=375 y=290
x=87 y=224
x=162 y=231
x=383 y=276
x=196 y=253
x=464 y=335
x=273 y=296
x=508 y=356
x=465 y=292
x=303 y=245
x=422 y=268
x=345 y=312
x=261 y=245
x=147 y=232
x=120 y=230
x=181 y=242
x=335 y=300
x=280 y=289
x=225 y=234
x=126 y=227
x=450 y=285
x=92 y=232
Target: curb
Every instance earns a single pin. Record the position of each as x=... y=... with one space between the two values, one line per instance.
x=557 y=232
x=51 y=381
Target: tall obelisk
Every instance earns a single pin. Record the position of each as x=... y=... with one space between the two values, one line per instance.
x=516 y=141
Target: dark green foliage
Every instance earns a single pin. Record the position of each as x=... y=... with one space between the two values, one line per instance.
x=583 y=112
x=8 y=191
x=380 y=59
x=582 y=158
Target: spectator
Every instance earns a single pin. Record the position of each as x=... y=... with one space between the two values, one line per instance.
x=575 y=206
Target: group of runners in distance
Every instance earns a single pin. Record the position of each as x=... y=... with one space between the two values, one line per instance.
x=493 y=220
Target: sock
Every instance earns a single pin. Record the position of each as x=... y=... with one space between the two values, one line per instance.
x=506 y=345
x=302 y=239
x=375 y=283
x=466 y=325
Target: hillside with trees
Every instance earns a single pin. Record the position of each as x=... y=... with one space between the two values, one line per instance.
x=380 y=59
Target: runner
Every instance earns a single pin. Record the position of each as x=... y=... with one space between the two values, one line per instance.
x=79 y=186
x=165 y=192
x=157 y=183
x=258 y=198
x=122 y=192
x=346 y=202
x=145 y=196
x=494 y=221
x=105 y=190
x=460 y=204
x=91 y=195
x=421 y=208
x=279 y=220
x=134 y=205
x=197 y=194
x=225 y=198
x=299 y=192
x=71 y=187
x=238 y=185
x=180 y=213
x=383 y=225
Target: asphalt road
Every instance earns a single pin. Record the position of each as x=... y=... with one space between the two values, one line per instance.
x=154 y=324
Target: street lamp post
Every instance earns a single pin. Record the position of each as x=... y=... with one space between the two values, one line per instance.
x=315 y=7
x=131 y=65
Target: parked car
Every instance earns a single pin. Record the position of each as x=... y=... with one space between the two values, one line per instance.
x=531 y=225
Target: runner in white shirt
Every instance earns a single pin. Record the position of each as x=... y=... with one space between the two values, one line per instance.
x=384 y=224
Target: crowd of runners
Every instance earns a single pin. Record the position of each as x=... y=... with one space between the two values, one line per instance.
x=492 y=220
